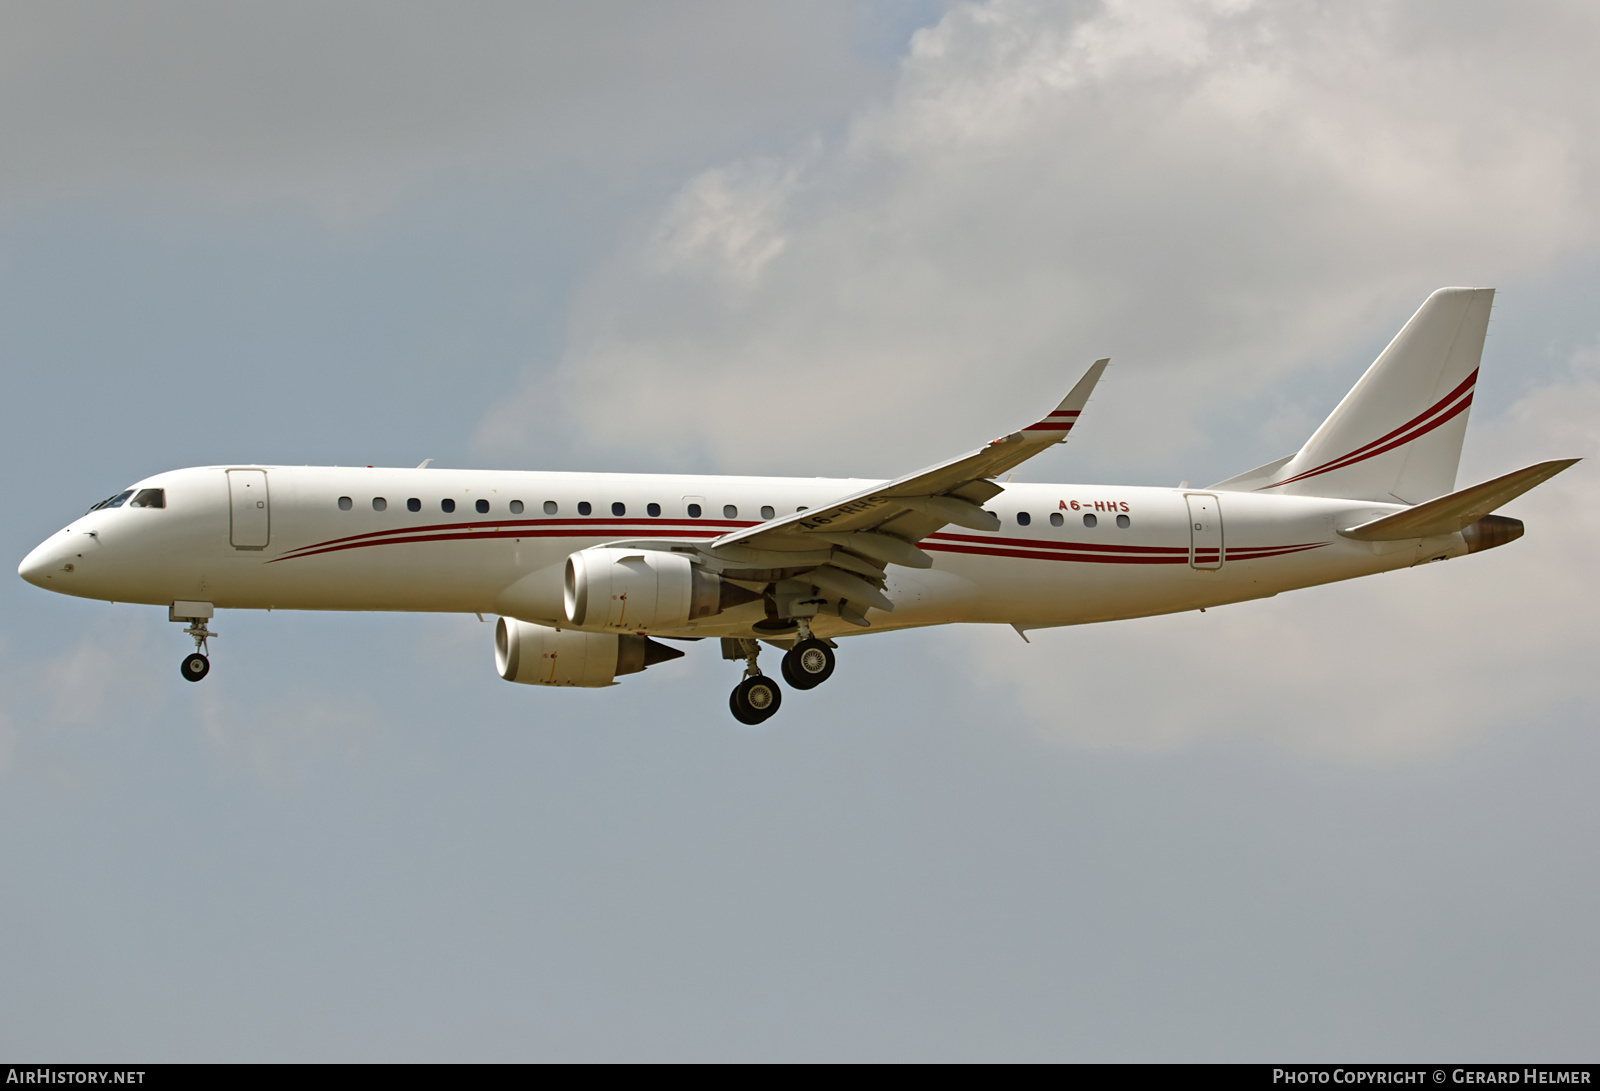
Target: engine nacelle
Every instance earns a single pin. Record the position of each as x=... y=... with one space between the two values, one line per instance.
x=626 y=590
x=537 y=655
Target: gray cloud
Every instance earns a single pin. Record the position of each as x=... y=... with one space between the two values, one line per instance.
x=351 y=106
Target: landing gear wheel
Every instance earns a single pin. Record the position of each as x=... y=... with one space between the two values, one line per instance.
x=195 y=667
x=755 y=699
x=808 y=664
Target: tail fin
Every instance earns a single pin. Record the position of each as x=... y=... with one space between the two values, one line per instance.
x=1397 y=434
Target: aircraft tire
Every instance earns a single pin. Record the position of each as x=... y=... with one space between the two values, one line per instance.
x=808 y=664
x=195 y=667
x=755 y=699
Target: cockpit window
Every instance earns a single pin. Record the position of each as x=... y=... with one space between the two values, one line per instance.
x=114 y=501
x=149 y=498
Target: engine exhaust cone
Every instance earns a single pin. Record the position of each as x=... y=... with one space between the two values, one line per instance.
x=1491 y=531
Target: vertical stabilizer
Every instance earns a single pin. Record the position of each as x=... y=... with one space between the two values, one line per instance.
x=1397 y=434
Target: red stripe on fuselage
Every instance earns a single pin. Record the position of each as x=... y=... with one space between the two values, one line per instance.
x=1035 y=543
x=403 y=533
x=690 y=531
x=1383 y=443
x=1087 y=558
x=1025 y=550
x=469 y=534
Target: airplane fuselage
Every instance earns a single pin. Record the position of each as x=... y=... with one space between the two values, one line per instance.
x=480 y=541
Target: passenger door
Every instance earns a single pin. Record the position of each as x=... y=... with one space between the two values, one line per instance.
x=250 y=517
x=1205 y=531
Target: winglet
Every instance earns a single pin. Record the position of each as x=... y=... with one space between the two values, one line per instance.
x=1059 y=421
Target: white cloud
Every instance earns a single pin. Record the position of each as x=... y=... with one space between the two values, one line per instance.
x=111 y=668
x=281 y=739
x=1218 y=195
x=1214 y=194
x=108 y=677
x=725 y=224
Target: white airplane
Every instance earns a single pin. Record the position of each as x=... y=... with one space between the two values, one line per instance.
x=586 y=571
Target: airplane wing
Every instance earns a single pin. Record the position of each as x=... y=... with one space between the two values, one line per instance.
x=912 y=507
x=844 y=547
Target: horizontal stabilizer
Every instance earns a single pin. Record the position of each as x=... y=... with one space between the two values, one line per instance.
x=1459 y=510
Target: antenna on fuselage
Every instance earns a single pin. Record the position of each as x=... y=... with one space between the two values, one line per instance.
x=423 y=465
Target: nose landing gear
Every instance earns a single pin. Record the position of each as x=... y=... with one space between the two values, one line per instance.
x=196 y=666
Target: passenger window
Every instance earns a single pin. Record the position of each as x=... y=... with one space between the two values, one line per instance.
x=447 y=506
x=653 y=509
x=482 y=506
x=379 y=504
x=802 y=507
x=619 y=508
x=767 y=512
x=694 y=511
x=1088 y=519
x=516 y=507
x=149 y=498
x=413 y=504
x=584 y=507
x=1122 y=521
x=345 y=503
x=1023 y=518
x=730 y=512
x=1055 y=519
x=551 y=507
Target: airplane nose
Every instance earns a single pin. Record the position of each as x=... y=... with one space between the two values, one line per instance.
x=44 y=566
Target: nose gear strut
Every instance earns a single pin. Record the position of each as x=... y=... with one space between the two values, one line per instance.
x=197 y=665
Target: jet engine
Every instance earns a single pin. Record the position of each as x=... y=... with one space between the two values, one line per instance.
x=538 y=655
x=627 y=590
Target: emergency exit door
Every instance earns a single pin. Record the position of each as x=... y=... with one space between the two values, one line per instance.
x=1205 y=531
x=248 y=510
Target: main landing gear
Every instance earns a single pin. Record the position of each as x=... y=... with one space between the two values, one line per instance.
x=805 y=666
x=757 y=697
x=808 y=664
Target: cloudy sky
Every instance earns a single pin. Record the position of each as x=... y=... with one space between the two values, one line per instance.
x=1353 y=822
